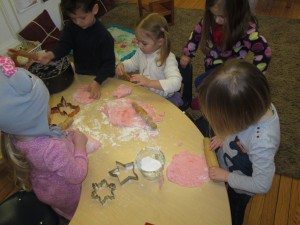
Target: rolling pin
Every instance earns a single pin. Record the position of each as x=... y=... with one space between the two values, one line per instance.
x=142 y=113
x=210 y=156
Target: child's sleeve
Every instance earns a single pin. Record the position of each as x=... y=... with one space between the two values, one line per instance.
x=62 y=159
x=262 y=157
x=172 y=81
x=132 y=64
x=107 y=61
x=193 y=43
x=258 y=45
x=65 y=44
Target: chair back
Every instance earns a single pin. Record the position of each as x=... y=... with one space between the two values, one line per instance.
x=24 y=208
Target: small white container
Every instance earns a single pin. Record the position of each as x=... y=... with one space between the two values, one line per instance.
x=150 y=161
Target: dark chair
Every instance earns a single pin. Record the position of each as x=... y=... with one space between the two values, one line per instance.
x=163 y=7
x=187 y=85
x=23 y=208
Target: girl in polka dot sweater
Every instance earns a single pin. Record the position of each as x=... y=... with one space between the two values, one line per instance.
x=227 y=30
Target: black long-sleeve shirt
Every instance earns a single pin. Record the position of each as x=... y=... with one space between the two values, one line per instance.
x=93 y=49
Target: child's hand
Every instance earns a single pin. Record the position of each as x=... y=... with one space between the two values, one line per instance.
x=79 y=139
x=218 y=174
x=184 y=60
x=215 y=143
x=140 y=80
x=45 y=57
x=120 y=70
x=94 y=89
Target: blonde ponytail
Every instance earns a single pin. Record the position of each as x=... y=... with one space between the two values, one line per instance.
x=17 y=164
x=156 y=27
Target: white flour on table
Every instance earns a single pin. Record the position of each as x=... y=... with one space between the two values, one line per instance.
x=98 y=126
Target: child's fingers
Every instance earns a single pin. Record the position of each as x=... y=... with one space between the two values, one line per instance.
x=117 y=71
x=120 y=70
x=184 y=60
x=213 y=147
x=94 y=94
x=182 y=63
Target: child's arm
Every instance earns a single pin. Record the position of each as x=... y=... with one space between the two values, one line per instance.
x=140 y=79
x=257 y=44
x=173 y=78
x=133 y=64
x=45 y=57
x=189 y=50
x=105 y=68
x=65 y=43
x=63 y=48
x=106 y=59
x=67 y=157
x=169 y=83
x=261 y=155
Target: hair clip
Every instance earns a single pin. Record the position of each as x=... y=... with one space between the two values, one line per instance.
x=103 y=185
x=123 y=168
x=7 y=66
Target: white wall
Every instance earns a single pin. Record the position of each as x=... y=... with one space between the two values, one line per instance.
x=12 y=21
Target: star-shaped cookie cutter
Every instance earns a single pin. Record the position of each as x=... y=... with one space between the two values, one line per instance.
x=103 y=185
x=120 y=166
x=64 y=103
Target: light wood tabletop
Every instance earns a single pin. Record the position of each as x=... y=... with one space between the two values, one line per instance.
x=142 y=201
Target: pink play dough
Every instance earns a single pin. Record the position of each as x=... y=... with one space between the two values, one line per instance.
x=92 y=144
x=188 y=170
x=122 y=91
x=82 y=95
x=121 y=113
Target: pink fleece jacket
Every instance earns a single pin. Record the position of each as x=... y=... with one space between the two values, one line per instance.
x=57 y=171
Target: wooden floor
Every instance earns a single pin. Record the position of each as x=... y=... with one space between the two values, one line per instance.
x=280 y=206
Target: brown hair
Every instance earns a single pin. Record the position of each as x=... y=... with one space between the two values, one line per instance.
x=234 y=96
x=237 y=14
x=70 y=6
x=16 y=163
x=155 y=27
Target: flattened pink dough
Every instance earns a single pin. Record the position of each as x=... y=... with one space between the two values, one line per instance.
x=122 y=91
x=121 y=113
x=188 y=170
x=82 y=95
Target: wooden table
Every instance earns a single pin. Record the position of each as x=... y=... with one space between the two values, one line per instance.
x=141 y=201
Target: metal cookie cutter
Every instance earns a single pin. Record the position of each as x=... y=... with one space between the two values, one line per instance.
x=120 y=166
x=103 y=185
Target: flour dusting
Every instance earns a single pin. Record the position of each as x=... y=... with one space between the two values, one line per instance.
x=150 y=164
x=113 y=122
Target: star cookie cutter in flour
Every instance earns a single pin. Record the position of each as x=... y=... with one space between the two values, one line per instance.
x=121 y=167
x=103 y=185
x=63 y=103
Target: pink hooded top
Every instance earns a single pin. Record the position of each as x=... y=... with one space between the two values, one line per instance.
x=57 y=171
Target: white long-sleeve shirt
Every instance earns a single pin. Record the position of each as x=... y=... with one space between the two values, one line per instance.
x=249 y=156
x=167 y=74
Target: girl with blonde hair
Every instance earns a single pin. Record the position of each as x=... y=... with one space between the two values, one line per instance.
x=156 y=64
x=41 y=157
